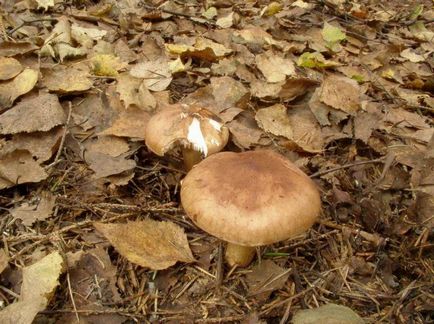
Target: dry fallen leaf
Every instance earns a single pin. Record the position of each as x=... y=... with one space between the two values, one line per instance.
x=133 y=91
x=106 y=65
x=275 y=120
x=265 y=278
x=39 y=283
x=329 y=313
x=21 y=84
x=274 y=67
x=38 y=209
x=16 y=48
x=152 y=244
x=156 y=74
x=110 y=145
x=9 y=68
x=341 y=93
x=45 y=111
x=19 y=167
x=203 y=48
x=41 y=145
x=105 y=165
x=67 y=79
x=245 y=131
x=130 y=123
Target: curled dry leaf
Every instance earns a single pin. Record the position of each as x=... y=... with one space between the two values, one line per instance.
x=9 y=68
x=105 y=165
x=39 y=283
x=19 y=167
x=40 y=113
x=152 y=244
x=21 y=84
x=39 y=208
x=67 y=80
x=341 y=93
x=110 y=145
x=156 y=74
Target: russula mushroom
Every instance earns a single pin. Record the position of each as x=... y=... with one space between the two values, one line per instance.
x=249 y=199
x=196 y=130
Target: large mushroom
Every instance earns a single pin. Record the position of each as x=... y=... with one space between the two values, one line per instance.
x=197 y=131
x=249 y=199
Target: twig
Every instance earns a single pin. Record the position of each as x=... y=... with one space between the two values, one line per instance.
x=72 y=297
x=345 y=166
x=62 y=141
x=28 y=22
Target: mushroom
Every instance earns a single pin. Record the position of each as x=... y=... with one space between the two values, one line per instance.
x=249 y=199
x=196 y=130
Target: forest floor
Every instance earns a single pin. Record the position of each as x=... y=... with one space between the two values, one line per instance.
x=344 y=89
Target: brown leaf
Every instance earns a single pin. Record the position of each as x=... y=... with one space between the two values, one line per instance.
x=9 y=68
x=275 y=120
x=133 y=91
x=67 y=79
x=86 y=270
x=274 y=67
x=16 y=48
x=296 y=87
x=245 y=131
x=306 y=131
x=19 y=167
x=40 y=208
x=229 y=92
x=45 y=112
x=341 y=93
x=105 y=165
x=109 y=145
x=151 y=244
x=91 y=112
x=21 y=84
x=39 y=282
x=265 y=278
x=40 y=144
x=155 y=74
x=130 y=123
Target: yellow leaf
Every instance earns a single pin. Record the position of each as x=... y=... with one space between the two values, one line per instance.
x=106 y=65
x=152 y=244
x=21 y=84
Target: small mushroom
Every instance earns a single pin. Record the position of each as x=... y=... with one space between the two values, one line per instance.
x=249 y=199
x=196 y=130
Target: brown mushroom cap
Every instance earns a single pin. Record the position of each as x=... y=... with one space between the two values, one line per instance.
x=252 y=198
x=191 y=127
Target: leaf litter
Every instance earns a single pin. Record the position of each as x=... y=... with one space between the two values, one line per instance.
x=342 y=89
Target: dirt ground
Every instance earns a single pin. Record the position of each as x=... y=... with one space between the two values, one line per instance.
x=344 y=89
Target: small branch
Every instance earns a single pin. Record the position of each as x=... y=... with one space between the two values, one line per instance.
x=62 y=141
x=346 y=166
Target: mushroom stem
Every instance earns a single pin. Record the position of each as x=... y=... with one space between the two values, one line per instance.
x=191 y=157
x=239 y=255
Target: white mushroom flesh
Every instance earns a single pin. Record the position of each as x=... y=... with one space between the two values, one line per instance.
x=195 y=137
x=217 y=126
